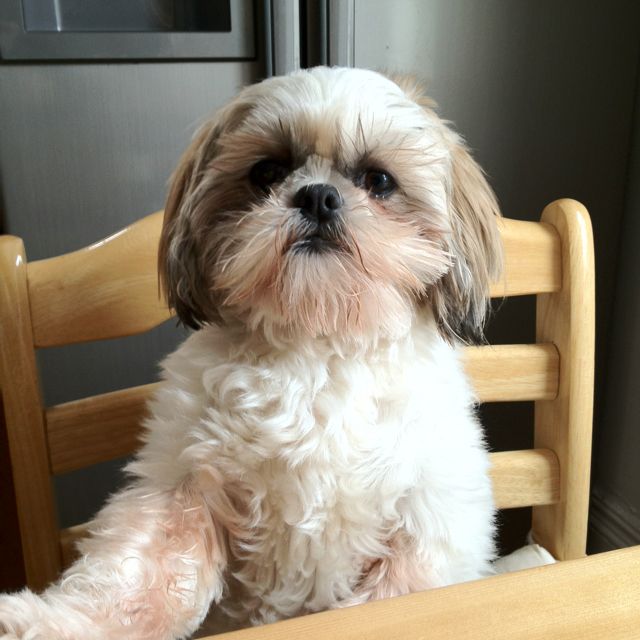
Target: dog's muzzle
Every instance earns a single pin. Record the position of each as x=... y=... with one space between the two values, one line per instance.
x=320 y=205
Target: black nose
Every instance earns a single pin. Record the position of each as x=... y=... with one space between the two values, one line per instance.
x=318 y=202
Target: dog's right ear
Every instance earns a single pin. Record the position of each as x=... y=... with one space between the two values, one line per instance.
x=179 y=275
x=460 y=299
x=181 y=253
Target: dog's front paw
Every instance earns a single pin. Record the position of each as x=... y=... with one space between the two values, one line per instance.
x=17 y=614
x=26 y=616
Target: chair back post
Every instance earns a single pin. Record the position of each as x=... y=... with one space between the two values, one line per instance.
x=566 y=318
x=25 y=420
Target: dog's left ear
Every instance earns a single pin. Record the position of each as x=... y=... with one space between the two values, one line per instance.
x=460 y=299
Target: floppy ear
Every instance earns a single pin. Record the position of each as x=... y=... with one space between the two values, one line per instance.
x=460 y=299
x=181 y=254
x=180 y=278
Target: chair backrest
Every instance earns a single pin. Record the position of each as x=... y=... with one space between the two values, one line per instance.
x=110 y=290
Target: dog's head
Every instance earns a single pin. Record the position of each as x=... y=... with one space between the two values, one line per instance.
x=330 y=201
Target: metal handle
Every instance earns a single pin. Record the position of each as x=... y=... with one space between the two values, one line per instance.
x=342 y=32
x=285 y=29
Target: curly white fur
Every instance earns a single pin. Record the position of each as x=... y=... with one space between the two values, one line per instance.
x=317 y=463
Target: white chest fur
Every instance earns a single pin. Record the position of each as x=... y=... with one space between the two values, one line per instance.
x=331 y=457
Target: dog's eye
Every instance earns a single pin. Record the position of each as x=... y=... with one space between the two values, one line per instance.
x=266 y=173
x=378 y=183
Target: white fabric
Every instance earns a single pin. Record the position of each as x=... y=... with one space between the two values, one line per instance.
x=533 y=555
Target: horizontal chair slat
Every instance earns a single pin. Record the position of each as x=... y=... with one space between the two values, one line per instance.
x=110 y=289
x=520 y=479
x=513 y=372
x=107 y=290
x=532 y=259
x=526 y=478
x=96 y=429
x=104 y=427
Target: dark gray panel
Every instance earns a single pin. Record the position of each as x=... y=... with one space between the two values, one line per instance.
x=57 y=33
x=127 y=15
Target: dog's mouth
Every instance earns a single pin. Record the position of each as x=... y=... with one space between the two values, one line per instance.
x=315 y=243
x=322 y=239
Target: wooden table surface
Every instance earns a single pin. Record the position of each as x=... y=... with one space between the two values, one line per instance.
x=597 y=597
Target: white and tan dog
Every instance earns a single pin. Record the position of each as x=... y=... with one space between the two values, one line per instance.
x=313 y=444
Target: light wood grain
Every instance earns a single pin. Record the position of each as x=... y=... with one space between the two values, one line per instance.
x=95 y=429
x=567 y=318
x=107 y=290
x=24 y=420
x=513 y=372
x=525 y=478
x=520 y=479
x=589 y=599
x=110 y=289
x=532 y=261
x=107 y=426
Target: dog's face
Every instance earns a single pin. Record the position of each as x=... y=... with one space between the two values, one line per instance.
x=329 y=201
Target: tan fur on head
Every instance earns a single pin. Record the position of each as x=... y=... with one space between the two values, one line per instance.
x=230 y=251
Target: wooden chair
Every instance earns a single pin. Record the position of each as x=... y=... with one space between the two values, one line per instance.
x=110 y=289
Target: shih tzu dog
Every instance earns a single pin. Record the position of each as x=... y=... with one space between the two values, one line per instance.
x=314 y=443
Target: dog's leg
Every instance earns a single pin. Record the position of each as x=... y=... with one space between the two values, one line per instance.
x=400 y=572
x=150 y=569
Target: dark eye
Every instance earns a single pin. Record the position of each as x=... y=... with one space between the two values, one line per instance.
x=266 y=173
x=378 y=183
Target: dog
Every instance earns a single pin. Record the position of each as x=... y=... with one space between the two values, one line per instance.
x=314 y=443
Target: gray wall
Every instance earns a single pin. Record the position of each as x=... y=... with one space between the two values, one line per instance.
x=544 y=92
x=615 y=511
